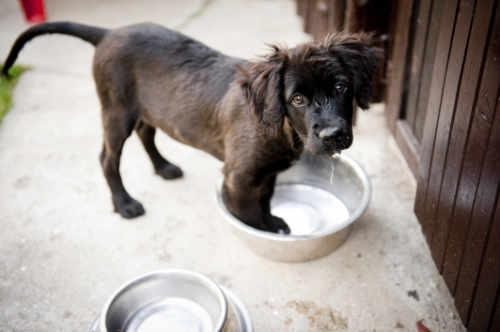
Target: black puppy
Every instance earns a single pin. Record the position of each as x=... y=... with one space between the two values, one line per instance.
x=257 y=117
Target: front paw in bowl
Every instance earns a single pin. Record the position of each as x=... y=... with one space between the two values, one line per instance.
x=278 y=225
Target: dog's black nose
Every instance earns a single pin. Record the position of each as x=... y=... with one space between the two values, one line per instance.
x=335 y=135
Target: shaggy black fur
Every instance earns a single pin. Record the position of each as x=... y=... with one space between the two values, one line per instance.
x=257 y=117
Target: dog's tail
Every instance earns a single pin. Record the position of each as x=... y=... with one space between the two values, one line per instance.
x=88 y=33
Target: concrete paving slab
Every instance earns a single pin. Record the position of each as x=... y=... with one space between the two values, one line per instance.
x=63 y=251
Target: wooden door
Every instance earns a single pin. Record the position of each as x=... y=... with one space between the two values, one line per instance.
x=443 y=108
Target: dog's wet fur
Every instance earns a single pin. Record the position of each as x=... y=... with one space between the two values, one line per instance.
x=257 y=117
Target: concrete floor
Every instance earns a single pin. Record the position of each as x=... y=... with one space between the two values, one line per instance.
x=63 y=251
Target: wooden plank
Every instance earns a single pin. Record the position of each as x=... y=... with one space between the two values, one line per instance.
x=336 y=14
x=397 y=62
x=482 y=213
x=320 y=17
x=463 y=111
x=445 y=122
x=408 y=145
x=351 y=17
x=301 y=7
x=488 y=285
x=425 y=83
x=313 y=14
x=308 y=15
x=495 y=320
x=473 y=159
x=421 y=27
x=433 y=111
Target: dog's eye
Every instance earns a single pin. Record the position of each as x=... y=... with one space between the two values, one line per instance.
x=341 y=88
x=298 y=100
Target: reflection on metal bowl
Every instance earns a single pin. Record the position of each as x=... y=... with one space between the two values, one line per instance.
x=319 y=197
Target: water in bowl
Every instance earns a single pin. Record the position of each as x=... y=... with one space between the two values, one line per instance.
x=307 y=209
x=172 y=314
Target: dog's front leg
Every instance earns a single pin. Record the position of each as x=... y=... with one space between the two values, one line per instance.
x=249 y=201
x=275 y=224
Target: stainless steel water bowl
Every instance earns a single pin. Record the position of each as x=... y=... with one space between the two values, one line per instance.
x=319 y=197
x=176 y=300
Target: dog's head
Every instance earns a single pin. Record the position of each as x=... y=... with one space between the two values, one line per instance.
x=315 y=86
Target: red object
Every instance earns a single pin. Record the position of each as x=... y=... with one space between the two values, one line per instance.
x=34 y=10
x=421 y=327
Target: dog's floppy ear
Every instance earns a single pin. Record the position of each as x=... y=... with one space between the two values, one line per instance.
x=362 y=59
x=263 y=87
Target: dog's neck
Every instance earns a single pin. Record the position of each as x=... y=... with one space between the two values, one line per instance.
x=292 y=137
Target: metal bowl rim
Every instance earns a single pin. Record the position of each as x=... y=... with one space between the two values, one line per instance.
x=365 y=200
x=239 y=309
x=150 y=275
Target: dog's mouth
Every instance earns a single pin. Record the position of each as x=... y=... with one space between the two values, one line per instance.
x=330 y=151
x=319 y=147
x=316 y=146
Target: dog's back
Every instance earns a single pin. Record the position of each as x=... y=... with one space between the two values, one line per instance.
x=162 y=76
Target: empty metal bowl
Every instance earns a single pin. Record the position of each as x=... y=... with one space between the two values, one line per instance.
x=319 y=197
x=178 y=300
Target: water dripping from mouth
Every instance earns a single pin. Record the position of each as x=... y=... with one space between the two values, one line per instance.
x=335 y=155
x=331 y=174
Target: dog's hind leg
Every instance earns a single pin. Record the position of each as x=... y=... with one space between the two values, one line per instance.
x=162 y=166
x=117 y=128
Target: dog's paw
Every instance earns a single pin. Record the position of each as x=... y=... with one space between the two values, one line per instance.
x=129 y=208
x=169 y=172
x=278 y=225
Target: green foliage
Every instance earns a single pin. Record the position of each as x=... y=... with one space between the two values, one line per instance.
x=6 y=88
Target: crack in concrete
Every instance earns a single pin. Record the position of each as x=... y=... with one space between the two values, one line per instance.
x=195 y=14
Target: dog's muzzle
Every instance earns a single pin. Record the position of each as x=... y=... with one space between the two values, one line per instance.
x=335 y=138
